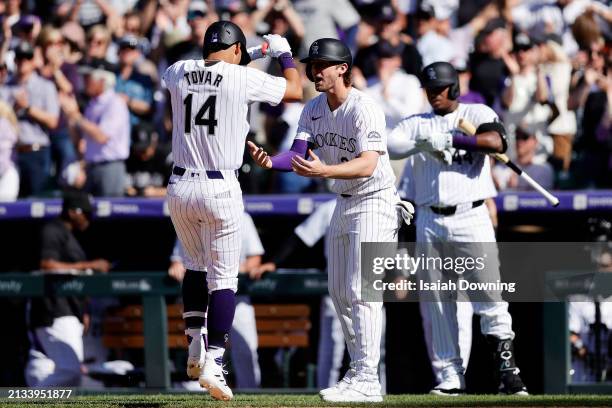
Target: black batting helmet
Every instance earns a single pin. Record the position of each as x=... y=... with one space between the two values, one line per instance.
x=221 y=35
x=441 y=74
x=327 y=49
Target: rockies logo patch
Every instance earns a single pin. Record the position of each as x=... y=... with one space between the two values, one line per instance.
x=215 y=37
x=431 y=73
x=315 y=48
x=374 y=135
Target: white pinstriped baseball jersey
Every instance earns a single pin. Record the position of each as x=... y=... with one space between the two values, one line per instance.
x=209 y=110
x=356 y=126
x=435 y=183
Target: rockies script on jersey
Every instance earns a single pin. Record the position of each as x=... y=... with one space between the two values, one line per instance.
x=209 y=110
x=356 y=126
x=429 y=181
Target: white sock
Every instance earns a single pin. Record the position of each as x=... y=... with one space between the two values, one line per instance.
x=196 y=347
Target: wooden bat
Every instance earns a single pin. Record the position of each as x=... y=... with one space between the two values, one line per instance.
x=470 y=129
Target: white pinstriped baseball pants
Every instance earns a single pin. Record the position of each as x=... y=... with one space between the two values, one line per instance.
x=367 y=218
x=207 y=215
x=471 y=226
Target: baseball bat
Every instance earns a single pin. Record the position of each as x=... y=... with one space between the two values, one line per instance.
x=470 y=129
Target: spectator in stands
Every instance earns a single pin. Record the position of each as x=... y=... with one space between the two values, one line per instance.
x=591 y=95
x=526 y=147
x=432 y=45
x=35 y=101
x=133 y=86
x=525 y=95
x=382 y=23
x=490 y=63
x=467 y=95
x=323 y=17
x=104 y=130
x=64 y=76
x=9 y=176
x=557 y=69
x=74 y=35
x=88 y=13
x=198 y=19
x=98 y=45
x=399 y=94
x=150 y=163
x=243 y=337
x=56 y=323
x=280 y=18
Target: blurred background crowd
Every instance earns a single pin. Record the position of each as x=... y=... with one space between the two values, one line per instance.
x=81 y=105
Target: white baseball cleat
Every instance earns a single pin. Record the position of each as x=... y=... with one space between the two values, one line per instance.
x=195 y=361
x=213 y=379
x=340 y=385
x=350 y=394
x=452 y=386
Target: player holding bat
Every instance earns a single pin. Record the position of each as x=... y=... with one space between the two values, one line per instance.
x=450 y=200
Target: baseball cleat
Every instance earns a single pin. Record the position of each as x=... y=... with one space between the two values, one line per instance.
x=213 y=379
x=340 y=385
x=453 y=385
x=511 y=384
x=351 y=395
x=454 y=392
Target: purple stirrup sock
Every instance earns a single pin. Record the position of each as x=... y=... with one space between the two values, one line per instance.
x=220 y=316
x=282 y=161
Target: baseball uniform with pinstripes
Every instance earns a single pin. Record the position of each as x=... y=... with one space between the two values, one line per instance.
x=429 y=182
x=209 y=127
x=365 y=212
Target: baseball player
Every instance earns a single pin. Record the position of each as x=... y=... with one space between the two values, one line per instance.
x=449 y=199
x=348 y=130
x=210 y=99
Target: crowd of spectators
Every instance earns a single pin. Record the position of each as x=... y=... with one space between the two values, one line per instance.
x=81 y=106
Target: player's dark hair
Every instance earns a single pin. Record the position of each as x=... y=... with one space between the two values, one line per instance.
x=348 y=77
x=217 y=47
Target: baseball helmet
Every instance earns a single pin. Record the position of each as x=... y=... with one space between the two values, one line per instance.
x=441 y=74
x=327 y=49
x=222 y=34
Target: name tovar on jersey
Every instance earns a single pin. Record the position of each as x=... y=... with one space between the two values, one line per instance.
x=358 y=125
x=210 y=102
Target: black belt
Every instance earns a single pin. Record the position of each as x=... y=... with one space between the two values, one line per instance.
x=345 y=195
x=453 y=209
x=211 y=174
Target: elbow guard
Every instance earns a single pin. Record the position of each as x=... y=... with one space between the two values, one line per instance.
x=498 y=128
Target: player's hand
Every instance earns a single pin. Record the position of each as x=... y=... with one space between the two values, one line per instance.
x=445 y=156
x=405 y=210
x=277 y=45
x=309 y=168
x=259 y=155
x=434 y=142
x=177 y=271
x=257 y=273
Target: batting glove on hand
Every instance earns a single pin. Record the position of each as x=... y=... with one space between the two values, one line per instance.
x=405 y=211
x=434 y=142
x=277 y=45
x=445 y=156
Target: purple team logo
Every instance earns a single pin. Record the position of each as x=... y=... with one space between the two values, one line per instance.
x=314 y=49
x=215 y=37
x=431 y=73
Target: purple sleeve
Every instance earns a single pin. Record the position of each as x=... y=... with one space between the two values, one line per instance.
x=282 y=161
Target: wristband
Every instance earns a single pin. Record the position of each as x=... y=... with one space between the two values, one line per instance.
x=286 y=61
x=464 y=142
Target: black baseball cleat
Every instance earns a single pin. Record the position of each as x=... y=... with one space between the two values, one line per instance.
x=511 y=383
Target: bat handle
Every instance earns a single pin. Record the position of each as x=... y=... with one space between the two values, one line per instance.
x=554 y=201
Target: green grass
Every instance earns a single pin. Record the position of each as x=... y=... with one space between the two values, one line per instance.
x=280 y=400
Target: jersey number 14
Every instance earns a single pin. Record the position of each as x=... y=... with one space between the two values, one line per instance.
x=204 y=117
